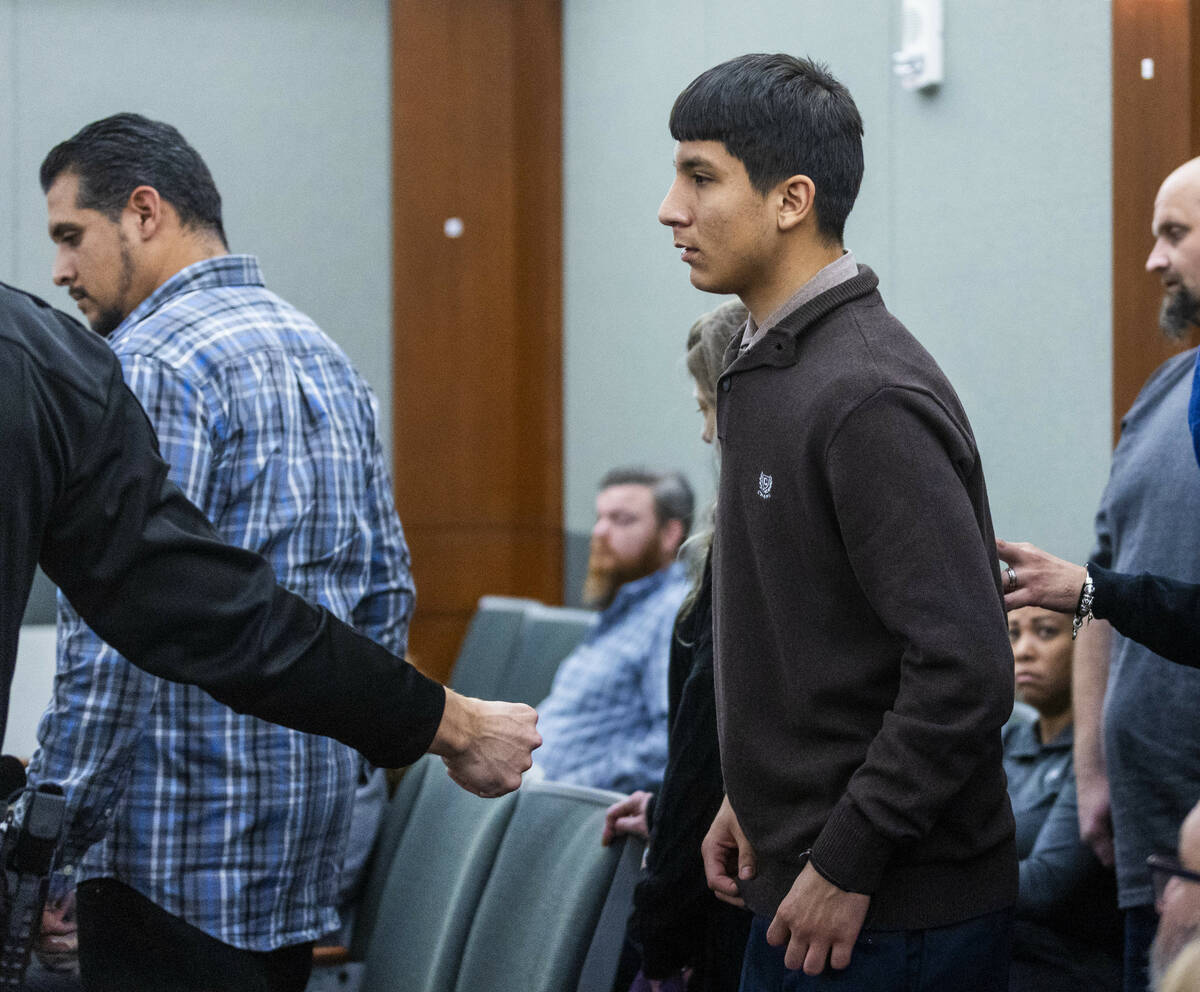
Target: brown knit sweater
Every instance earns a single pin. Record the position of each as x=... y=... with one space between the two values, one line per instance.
x=863 y=669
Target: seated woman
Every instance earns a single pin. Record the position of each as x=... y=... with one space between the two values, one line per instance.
x=1067 y=934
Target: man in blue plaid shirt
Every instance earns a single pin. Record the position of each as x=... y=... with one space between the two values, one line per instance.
x=213 y=840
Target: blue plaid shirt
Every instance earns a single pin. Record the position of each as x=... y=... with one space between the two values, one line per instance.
x=604 y=723
x=236 y=825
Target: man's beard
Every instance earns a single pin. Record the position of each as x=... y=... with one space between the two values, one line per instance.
x=606 y=575
x=1179 y=313
x=1165 y=948
x=109 y=319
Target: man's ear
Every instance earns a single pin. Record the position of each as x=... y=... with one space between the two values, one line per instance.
x=797 y=196
x=670 y=537
x=147 y=208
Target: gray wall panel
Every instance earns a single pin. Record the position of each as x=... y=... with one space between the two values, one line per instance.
x=985 y=211
x=287 y=103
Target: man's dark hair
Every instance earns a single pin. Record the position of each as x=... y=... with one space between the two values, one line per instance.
x=673 y=497
x=780 y=116
x=114 y=156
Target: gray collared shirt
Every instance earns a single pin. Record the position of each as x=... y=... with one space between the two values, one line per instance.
x=833 y=274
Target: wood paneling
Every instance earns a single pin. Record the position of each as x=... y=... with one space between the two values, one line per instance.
x=477 y=377
x=1156 y=127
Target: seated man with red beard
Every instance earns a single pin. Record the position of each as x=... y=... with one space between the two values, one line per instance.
x=604 y=723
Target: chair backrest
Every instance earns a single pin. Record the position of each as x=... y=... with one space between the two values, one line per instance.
x=546 y=895
x=379 y=864
x=440 y=866
x=608 y=939
x=487 y=647
x=547 y=635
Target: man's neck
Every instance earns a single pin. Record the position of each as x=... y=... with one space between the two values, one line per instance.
x=794 y=269
x=183 y=252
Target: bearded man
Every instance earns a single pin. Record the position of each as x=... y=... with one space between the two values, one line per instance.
x=604 y=723
x=1136 y=762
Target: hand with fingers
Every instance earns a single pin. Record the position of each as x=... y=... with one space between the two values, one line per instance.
x=728 y=856
x=1036 y=578
x=57 y=943
x=818 y=922
x=486 y=745
x=627 y=816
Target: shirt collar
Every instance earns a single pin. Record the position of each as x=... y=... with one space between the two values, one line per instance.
x=209 y=273
x=835 y=273
x=1026 y=743
x=634 y=592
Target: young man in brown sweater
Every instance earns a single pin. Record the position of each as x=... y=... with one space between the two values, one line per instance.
x=863 y=670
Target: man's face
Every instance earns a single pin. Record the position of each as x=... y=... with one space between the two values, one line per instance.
x=1176 y=252
x=723 y=225
x=627 y=542
x=1179 y=909
x=93 y=257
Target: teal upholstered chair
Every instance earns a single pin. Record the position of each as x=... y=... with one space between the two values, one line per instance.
x=552 y=915
x=391 y=829
x=487 y=647
x=498 y=895
x=547 y=635
x=441 y=863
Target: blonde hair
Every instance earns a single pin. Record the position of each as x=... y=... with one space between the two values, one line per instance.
x=707 y=342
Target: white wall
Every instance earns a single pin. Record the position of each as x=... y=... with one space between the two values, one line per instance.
x=985 y=211
x=32 y=687
x=287 y=103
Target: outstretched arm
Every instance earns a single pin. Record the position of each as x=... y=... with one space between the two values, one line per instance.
x=1161 y=613
x=1040 y=578
x=147 y=572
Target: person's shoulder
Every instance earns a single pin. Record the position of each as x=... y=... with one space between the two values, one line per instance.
x=58 y=345
x=676 y=581
x=20 y=308
x=867 y=348
x=1168 y=386
x=1018 y=737
x=236 y=322
x=1167 y=376
x=12 y=296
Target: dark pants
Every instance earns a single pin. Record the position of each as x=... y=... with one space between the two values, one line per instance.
x=966 y=957
x=126 y=942
x=1140 y=924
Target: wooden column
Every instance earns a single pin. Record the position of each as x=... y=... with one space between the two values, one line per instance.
x=477 y=315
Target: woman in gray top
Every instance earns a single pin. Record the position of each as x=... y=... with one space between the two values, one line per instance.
x=1067 y=933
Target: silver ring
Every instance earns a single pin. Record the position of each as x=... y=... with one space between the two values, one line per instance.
x=1012 y=578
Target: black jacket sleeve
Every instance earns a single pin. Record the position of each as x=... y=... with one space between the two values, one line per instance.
x=145 y=569
x=1161 y=613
